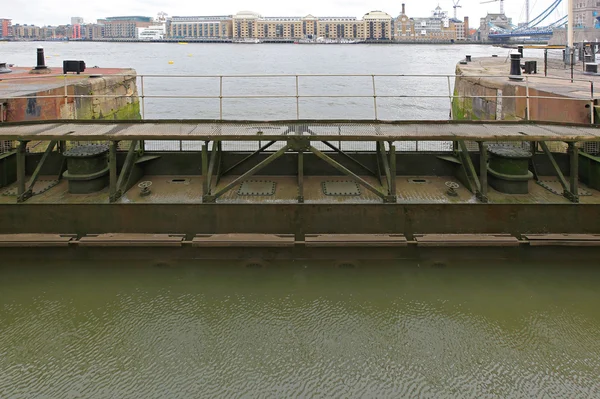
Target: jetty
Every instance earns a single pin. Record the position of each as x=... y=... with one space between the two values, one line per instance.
x=291 y=191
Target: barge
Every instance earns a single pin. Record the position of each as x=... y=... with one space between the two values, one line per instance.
x=301 y=189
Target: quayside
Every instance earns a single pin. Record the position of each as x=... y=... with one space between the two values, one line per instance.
x=207 y=189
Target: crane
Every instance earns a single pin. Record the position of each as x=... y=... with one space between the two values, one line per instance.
x=493 y=1
x=455 y=6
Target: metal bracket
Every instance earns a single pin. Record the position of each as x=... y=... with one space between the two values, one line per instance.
x=118 y=188
x=385 y=197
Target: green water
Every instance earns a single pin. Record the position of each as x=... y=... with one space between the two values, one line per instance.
x=182 y=330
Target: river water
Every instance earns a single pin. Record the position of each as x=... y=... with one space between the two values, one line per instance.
x=404 y=329
x=248 y=59
x=181 y=330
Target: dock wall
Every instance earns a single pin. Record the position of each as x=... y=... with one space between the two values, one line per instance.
x=481 y=98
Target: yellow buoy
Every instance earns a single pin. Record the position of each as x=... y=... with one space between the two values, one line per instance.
x=189 y=55
x=171 y=62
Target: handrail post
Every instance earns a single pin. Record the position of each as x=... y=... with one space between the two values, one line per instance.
x=221 y=97
x=450 y=96
x=297 y=98
x=374 y=97
x=527 y=114
x=143 y=97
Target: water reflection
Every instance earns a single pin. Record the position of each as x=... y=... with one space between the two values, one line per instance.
x=181 y=329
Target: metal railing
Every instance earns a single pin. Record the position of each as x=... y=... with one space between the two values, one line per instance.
x=375 y=89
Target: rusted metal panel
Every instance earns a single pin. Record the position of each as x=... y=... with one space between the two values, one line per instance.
x=466 y=240
x=243 y=240
x=131 y=240
x=355 y=240
x=542 y=240
x=35 y=240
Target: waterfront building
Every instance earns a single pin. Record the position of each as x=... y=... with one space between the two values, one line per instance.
x=76 y=32
x=437 y=27
x=26 y=31
x=5 y=28
x=124 y=27
x=203 y=27
x=92 y=31
x=155 y=32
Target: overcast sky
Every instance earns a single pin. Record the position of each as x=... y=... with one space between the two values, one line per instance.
x=45 y=12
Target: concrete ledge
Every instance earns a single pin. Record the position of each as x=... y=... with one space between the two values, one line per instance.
x=35 y=240
x=243 y=240
x=355 y=240
x=466 y=240
x=131 y=240
x=563 y=240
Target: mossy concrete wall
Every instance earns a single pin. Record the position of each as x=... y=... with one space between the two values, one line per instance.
x=112 y=96
x=492 y=98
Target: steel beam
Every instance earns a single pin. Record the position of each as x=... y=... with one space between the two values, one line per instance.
x=21 y=161
x=112 y=166
x=563 y=182
x=126 y=170
x=469 y=168
x=219 y=162
x=211 y=166
x=574 y=171
x=483 y=172
x=350 y=158
x=385 y=163
x=356 y=178
x=245 y=176
x=28 y=193
x=255 y=153
x=392 y=190
x=205 y=169
x=300 y=176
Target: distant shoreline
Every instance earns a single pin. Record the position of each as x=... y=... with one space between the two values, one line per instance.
x=229 y=41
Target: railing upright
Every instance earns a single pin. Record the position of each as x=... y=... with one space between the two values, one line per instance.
x=221 y=98
x=143 y=98
x=66 y=92
x=374 y=98
x=592 y=105
x=527 y=110
x=297 y=98
x=450 y=96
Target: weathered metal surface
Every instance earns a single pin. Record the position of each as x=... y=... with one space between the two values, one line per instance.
x=40 y=186
x=244 y=240
x=203 y=130
x=355 y=240
x=340 y=188
x=257 y=187
x=563 y=240
x=131 y=240
x=34 y=240
x=466 y=240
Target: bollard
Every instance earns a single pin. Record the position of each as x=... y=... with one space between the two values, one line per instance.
x=520 y=50
x=591 y=68
x=515 y=67
x=468 y=58
x=41 y=63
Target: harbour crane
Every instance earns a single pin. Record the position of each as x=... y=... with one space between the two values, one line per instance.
x=493 y=1
x=455 y=6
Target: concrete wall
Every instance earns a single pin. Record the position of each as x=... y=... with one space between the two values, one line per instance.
x=488 y=99
x=37 y=108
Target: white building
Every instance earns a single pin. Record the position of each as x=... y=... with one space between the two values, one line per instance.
x=156 y=32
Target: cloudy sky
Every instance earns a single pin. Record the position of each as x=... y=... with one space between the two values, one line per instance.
x=46 y=12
